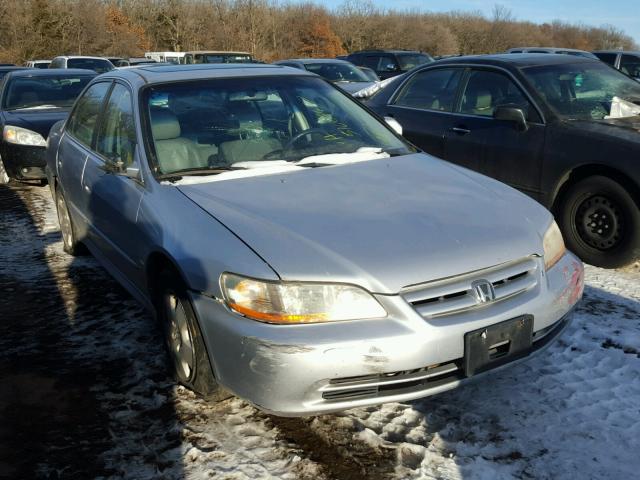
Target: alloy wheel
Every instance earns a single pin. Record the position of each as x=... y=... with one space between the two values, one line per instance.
x=65 y=221
x=179 y=338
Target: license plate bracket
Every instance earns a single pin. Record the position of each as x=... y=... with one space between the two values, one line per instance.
x=497 y=344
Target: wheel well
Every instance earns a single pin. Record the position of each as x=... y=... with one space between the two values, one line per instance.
x=586 y=171
x=157 y=263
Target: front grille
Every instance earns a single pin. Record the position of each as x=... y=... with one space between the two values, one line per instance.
x=385 y=384
x=455 y=294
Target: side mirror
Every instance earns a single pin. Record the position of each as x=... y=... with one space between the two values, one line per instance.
x=394 y=124
x=391 y=67
x=512 y=114
x=133 y=173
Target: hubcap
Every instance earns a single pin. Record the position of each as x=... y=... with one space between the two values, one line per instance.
x=65 y=222
x=179 y=338
x=600 y=223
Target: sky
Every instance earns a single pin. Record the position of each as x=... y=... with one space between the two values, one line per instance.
x=624 y=14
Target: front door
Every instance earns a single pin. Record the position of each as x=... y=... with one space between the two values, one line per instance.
x=112 y=199
x=496 y=148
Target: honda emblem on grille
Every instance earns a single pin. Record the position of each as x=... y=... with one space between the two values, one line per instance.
x=483 y=291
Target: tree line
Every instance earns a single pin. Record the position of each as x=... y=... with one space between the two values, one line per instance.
x=270 y=29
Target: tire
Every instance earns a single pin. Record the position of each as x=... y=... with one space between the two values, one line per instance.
x=4 y=176
x=600 y=222
x=70 y=242
x=183 y=339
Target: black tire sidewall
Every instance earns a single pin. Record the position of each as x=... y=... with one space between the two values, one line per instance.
x=629 y=248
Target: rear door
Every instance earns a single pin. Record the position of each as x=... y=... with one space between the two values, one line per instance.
x=496 y=148
x=111 y=198
x=75 y=147
x=423 y=106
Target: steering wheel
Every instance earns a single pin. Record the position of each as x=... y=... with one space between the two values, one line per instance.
x=298 y=136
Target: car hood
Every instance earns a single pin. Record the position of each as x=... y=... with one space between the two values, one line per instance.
x=383 y=224
x=353 y=87
x=621 y=128
x=39 y=121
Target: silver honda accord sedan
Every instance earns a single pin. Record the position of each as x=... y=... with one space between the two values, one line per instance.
x=297 y=252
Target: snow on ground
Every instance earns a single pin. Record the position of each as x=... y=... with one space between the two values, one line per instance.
x=85 y=392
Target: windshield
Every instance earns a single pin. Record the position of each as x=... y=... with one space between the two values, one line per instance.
x=582 y=91
x=225 y=123
x=58 y=91
x=97 y=64
x=408 y=61
x=214 y=58
x=337 y=72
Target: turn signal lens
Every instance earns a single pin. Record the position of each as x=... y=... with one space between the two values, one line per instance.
x=553 y=245
x=298 y=302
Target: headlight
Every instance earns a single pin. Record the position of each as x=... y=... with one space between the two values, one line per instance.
x=22 y=136
x=297 y=302
x=553 y=246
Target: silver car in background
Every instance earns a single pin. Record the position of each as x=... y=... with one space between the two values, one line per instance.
x=297 y=251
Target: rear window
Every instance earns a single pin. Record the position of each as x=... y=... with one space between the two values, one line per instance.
x=58 y=91
x=96 y=64
x=408 y=61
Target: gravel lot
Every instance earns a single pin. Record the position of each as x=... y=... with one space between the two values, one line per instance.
x=85 y=393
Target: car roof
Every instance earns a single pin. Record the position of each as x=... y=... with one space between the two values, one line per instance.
x=69 y=57
x=52 y=72
x=521 y=60
x=217 y=52
x=391 y=51
x=633 y=52
x=314 y=60
x=548 y=49
x=173 y=73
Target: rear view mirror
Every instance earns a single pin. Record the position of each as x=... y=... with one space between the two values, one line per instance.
x=512 y=114
x=394 y=124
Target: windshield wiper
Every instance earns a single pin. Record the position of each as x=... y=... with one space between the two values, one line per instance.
x=178 y=174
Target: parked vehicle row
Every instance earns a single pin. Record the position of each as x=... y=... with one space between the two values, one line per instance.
x=31 y=101
x=296 y=250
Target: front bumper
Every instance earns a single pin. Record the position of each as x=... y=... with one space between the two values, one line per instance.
x=24 y=162
x=296 y=370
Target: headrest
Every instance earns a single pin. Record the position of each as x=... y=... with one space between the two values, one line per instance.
x=164 y=124
x=483 y=99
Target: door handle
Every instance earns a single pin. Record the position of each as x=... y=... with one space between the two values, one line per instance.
x=461 y=130
x=87 y=189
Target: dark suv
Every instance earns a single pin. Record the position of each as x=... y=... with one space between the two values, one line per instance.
x=389 y=63
x=626 y=62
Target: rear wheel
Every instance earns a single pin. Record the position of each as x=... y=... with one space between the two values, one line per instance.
x=183 y=339
x=70 y=243
x=600 y=222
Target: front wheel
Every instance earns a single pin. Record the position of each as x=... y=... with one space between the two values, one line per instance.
x=183 y=339
x=600 y=222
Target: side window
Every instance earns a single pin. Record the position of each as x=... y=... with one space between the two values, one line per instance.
x=387 y=63
x=431 y=89
x=609 y=58
x=188 y=59
x=84 y=118
x=486 y=90
x=117 y=136
x=371 y=61
x=630 y=64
